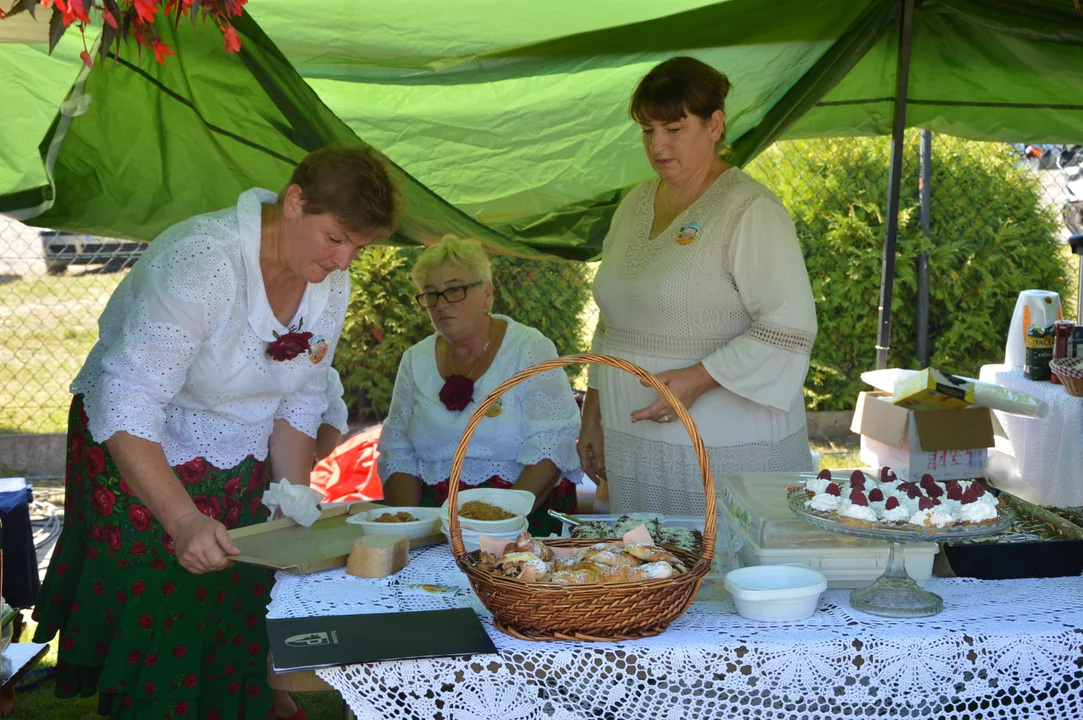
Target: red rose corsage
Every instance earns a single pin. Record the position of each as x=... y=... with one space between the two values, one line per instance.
x=457 y=392
x=290 y=345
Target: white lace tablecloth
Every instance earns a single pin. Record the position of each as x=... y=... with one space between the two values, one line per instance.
x=1048 y=451
x=1009 y=649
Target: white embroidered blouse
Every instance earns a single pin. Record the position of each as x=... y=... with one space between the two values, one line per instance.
x=181 y=356
x=539 y=418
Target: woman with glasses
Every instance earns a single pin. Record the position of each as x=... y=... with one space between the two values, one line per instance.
x=526 y=441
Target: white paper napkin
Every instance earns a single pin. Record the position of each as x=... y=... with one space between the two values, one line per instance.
x=299 y=502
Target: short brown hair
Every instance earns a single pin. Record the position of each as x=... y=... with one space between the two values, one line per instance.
x=677 y=87
x=353 y=184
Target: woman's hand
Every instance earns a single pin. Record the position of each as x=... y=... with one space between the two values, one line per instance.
x=201 y=543
x=591 y=445
x=687 y=384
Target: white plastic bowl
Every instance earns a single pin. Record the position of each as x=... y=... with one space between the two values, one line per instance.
x=518 y=502
x=472 y=538
x=775 y=593
x=428 y=520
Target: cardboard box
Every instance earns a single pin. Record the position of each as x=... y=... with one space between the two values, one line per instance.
x=931 y=389
x=947 y=444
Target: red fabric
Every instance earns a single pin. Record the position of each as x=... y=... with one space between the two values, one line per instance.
x=349 y=473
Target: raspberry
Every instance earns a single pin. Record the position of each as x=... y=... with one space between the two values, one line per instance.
x=933 y=490
x=877 y=495
x=858 y=498
x=955 y=490
x=912 y=491
x=833 y=489
x=927 y=503
x=892 y=503
x=825 y=474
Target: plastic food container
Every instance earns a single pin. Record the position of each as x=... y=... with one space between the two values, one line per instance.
x=428 y=520
x=517 y=502
x=775 y=593
x=472 y=538
x=772 y=535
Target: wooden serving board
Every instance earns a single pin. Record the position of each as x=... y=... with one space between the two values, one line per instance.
x=290 y=547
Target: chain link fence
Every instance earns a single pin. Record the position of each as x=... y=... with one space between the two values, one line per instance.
x=989 y=206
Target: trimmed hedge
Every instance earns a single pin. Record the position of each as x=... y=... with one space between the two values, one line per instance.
x=991 y=237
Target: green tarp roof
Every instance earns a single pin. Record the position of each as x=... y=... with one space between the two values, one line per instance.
x=508 y=120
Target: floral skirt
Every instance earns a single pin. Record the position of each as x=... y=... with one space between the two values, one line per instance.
x=152 y=639
x=542 y=524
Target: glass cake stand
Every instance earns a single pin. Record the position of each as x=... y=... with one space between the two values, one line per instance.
x=895 y=594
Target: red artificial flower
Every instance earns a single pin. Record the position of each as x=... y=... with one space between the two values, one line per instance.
x=139 y=587
x=289 y=346
x=233 y=42
x=161 y=50
x=95 y=461
x=457 y=392
x=193 y=471
x=139 y=547
x=146 y=10
x=112 y=536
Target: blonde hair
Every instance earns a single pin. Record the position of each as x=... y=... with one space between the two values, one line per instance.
x=467 y=254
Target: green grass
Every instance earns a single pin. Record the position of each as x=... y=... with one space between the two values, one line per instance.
x=50 y=324
x=40 y=702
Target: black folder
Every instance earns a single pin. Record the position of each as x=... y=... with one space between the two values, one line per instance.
x=328 y=641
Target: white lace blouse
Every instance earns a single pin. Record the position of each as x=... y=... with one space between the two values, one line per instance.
x=181 y=356
x=538 y=418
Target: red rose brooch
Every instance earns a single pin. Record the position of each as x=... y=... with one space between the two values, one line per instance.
x=457 y=392
x=290 y=345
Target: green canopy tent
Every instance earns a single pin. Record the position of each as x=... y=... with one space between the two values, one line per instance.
x=508 y=122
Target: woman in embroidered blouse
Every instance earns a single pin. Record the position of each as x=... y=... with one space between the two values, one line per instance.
x=212 y=360
x=702 y=283
x=527 y=442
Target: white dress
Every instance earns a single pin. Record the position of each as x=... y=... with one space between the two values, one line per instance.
x=538 y=420
x=181 y=354
x=724 y=285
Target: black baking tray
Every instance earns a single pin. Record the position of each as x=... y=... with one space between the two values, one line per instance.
x=1011 y=561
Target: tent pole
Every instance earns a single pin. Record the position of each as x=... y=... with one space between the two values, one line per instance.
x=887 y=280
x=923 y=259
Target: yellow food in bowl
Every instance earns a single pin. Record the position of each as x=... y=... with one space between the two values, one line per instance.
x=478 y=510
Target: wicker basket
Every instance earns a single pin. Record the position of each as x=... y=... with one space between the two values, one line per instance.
x=612 y=611
x=1070 y=372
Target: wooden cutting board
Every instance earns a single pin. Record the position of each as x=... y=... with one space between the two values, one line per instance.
x=290 y=547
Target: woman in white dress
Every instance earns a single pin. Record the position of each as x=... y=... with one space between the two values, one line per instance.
x=211 y=363
x=702 y=283
x=526 y=442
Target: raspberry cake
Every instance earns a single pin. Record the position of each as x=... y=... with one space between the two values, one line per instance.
x=888 y=503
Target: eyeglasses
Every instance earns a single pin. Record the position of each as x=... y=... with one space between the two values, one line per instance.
x=451 y=295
